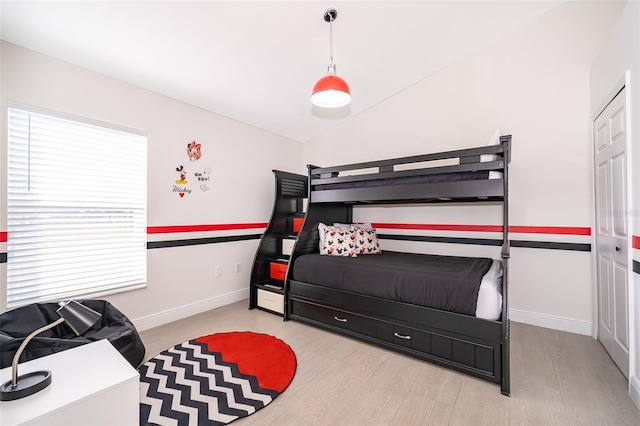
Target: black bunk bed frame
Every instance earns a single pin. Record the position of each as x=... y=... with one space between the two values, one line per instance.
x=465 y=343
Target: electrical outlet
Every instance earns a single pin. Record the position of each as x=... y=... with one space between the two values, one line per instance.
x=219 y=271
x=238 y=267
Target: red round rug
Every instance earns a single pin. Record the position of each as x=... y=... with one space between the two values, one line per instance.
x=215 y=379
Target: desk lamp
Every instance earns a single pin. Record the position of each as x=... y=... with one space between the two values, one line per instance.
x=79 y=317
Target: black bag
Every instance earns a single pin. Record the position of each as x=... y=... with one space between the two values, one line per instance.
x=18 y=323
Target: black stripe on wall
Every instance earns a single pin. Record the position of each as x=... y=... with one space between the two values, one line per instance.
x=489 y=242
x=636 y=267
x=551 y=245
x=451 y=240
x=199 y=241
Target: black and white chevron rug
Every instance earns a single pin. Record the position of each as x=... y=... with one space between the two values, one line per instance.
x=215 y=379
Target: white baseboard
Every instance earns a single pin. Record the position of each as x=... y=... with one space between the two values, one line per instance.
x=551 y=321
x=634 y=390
x=534 y=318
x=162 y=318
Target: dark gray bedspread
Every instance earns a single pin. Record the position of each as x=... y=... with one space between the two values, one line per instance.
x=442 y=282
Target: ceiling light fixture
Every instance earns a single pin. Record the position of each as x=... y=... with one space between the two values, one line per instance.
x=331 y=91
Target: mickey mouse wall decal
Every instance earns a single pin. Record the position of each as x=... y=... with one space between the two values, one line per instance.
x=183 y=176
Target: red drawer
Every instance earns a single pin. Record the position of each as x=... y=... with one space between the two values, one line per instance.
x=277 y=271
x=297 y=224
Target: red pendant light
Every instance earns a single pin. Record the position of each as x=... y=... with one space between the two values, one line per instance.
x=331 y=91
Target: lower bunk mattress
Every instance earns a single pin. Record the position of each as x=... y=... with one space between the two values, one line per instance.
x=465 y=285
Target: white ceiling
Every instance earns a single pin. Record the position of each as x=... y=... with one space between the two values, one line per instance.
x=257 y=61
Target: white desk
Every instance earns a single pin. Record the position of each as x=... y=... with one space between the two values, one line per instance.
x=91 y=385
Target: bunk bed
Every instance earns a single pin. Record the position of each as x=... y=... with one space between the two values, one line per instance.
x=324 y=291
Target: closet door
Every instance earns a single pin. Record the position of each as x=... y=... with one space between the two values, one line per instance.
x=612 y=249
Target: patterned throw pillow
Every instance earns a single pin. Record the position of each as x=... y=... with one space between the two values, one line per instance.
x=338 y=242
x=366 y=240
x=321 y=233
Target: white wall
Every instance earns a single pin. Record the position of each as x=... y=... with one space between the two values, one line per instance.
x=622 y=54
x=534 y=85
x=181 y=280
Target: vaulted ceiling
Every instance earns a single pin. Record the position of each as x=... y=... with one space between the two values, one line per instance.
x=257 y=61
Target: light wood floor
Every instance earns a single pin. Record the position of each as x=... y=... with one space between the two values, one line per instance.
x=557 y=378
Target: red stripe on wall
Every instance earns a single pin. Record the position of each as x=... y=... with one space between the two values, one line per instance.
x=439 y=227
x=203 y=228
x=554 y=230
x=635 y=242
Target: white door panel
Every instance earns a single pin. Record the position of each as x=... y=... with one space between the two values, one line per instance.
x=604 y=292
x=602 y=192
x=619 y=194
x=620 y=303
x=617 y=123
x=610 y=140
x=600 y=137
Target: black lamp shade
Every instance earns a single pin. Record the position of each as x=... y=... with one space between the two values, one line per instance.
x=79 y=317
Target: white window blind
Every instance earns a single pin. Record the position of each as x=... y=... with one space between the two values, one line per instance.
x=76 y=209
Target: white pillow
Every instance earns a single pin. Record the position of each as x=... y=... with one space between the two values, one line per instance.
x=363 y=239
x=489 y=304
x=337 y=242
x=495 y=140
x=321 y=228
x=346 y=226
x=342 y=226
x=366 y=240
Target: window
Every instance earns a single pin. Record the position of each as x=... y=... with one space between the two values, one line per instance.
x=76 y=209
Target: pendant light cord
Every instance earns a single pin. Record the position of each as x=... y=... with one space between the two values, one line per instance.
x=331 y=38
x=331 y=70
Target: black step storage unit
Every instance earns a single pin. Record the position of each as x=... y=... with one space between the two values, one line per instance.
x=276 y=245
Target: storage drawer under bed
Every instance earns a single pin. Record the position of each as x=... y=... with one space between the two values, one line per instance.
x=470 y=354
x=335 y=317
x=474 y=357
